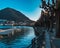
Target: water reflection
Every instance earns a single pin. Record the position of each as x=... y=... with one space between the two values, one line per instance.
x=21 y=41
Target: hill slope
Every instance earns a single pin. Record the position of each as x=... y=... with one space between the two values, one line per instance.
x=13 y=15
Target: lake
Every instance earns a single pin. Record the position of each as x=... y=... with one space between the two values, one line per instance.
x=21 y=41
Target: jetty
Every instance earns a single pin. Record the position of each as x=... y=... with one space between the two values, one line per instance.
x=9 y=32
x=5 y=32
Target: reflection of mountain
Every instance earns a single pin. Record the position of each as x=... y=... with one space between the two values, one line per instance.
x=13 y=15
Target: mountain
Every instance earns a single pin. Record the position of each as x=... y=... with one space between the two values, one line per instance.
x=13 y=15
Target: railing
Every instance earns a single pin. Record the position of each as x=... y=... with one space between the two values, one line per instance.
x=37 y=42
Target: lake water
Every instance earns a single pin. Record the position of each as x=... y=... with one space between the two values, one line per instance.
x=21 y=41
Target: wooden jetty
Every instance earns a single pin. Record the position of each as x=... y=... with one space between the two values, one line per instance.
x=8 y=32
x=5 y=32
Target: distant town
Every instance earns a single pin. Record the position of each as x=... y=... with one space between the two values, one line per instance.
x=6 y=22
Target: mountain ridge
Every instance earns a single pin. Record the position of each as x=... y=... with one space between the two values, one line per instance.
x=13 y=15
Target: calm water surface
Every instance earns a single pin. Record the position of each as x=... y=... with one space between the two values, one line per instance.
x=21 y=41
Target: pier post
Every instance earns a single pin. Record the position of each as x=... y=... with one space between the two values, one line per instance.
x=12 y=32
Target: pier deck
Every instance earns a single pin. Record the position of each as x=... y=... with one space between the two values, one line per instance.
x=5 y=32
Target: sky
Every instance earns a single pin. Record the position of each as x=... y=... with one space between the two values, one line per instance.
x=28 y=7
